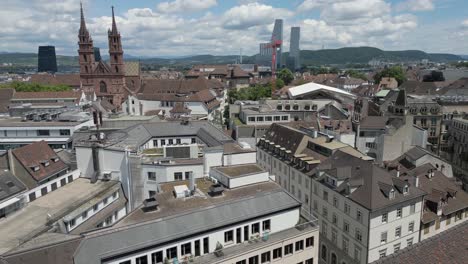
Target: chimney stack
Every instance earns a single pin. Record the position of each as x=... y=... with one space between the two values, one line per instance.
x=398 y=171
x=416 y=183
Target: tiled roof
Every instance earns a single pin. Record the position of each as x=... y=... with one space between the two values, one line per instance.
x=447 y=247
x=132 y=68
x=9 y=185
x=47 y=95
x=419 y=88
x=5 y=96
x=72 y=80
x=36 y=155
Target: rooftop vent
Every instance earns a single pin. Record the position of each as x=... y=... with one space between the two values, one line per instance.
x=216 y=189
x=150 y=204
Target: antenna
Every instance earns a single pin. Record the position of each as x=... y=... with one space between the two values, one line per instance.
x=241 y=56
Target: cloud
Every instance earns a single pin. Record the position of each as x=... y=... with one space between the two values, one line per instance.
x=178 y=6
x=253 y=14
x=465 y=23
x=416 y=5
x=355 y=10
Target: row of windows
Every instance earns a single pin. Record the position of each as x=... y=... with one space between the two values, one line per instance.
x=254 y=231
x=186 y=250
x=383 y=235
x=334 y=259
x=278 y=253
x=296 y=107
x=32 y=133
x=396 y=248
x=92 y=210
x=178 y=176
x=53 y=187
x=178 y=141
x=458 y=216
x=267 y=118
x=399 y=213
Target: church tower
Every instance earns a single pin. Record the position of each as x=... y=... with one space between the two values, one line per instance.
x=85 y=47
x=115 y=49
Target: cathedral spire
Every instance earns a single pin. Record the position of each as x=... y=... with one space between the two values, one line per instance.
x=114 y=26
x=83 y=23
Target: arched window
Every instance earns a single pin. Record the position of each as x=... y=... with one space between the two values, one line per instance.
x=333 y=259
x=117 y=69
x=103 y=87
x=324 y=252
x=115 y=58
x=85 y=58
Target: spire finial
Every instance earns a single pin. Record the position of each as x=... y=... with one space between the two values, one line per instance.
x=114 y=26
x=82 y=24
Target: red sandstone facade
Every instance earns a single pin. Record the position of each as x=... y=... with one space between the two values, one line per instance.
x=107 y=80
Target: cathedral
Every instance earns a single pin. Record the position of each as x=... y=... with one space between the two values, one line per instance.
x=109 y=81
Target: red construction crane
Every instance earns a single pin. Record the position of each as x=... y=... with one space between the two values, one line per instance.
x=274 y=45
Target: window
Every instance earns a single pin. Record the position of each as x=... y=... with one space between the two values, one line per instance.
x=299 y=245
x=409 y=242
x=288 y=249
x=197 y=248
x=359 y=216
x=345 y=245
x=253 y=260
x=458 y=216
x=64 y=132
x=325 y=195
x=246 y=233
x=269 y=118
x=43 y=132
x=449 y=219
x=315 y=189
x=383 y=237
x=357 y=253
x=187 y=175
x=43 y=191
x=171 y=141
x=63 y=182
x=398 y=231
x=335 y=201
x=206 y=245
x=194 y=140
x=345 y=226
x=155 y=143
x=178 y=176
x=333 y=259
x=186 y=249
x=106 y=200
x=334 y=237
x=171 y=253
x=384 y=218
x=142 y=260
x=277 y=253
x=334 y=219
x=70 y=179
x=284 y=118
x=347 y=208
x=405 y=189
x=241 y=262
x=324 y=252
x=412 y=208
x=178 y=141
x=72 y=223
x=32 y=196
x=84 y=214
x=151 y=176
x=266 y=225
x=277 y=118
x=309 y=261
x=315 y=205
x=255 y=228
x=358 y=235
x=399 y=213
x=396 y=248
x=54 y=186
x=325 y=212
x=127 y=261
x=265 y=257
x=411 y=226
x=163 y=142
x=157 y=257
x=228 y=236
x=382 y=253
x=309 y=242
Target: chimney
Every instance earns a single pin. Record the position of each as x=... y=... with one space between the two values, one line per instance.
x=95 y=156
x=416 y=182
x=192 y=185
x=398 y=171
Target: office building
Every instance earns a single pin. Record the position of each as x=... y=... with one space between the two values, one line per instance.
x=264 y=57
x=294 y=51
x=47 y=61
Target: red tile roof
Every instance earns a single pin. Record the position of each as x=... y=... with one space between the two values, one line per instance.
x=46 y=95
x=72 y=80
x=35 y=155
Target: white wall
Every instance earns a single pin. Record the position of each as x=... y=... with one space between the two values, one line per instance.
x=240 y=158
x=48 y=185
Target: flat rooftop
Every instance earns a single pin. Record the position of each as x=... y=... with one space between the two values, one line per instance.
x=169 y=205
x=18 y=122
x=239 y=170
x=35 y=217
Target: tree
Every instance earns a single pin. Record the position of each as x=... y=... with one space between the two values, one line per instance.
x=286 y=76
x=356 y=74
x=35 y=87
x=279 y=83
x=396 y=72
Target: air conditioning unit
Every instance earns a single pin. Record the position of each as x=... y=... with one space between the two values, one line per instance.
x=107 y=176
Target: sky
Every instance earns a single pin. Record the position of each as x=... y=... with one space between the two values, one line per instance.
x=151 y=28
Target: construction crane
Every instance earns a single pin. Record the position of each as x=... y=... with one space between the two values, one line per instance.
x=274 y=45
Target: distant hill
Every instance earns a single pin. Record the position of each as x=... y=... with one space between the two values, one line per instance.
x=354 y=55
x=365 y=54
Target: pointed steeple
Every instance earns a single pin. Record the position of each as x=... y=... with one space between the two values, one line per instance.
x=83 y=29
x=114 y=26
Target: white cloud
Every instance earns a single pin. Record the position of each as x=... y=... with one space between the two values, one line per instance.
x=355 y=10
x=178 y=6
x=253 y=14
x=416 y=5
x=465 y=23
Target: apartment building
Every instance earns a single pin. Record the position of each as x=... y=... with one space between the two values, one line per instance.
x=458 y=154
x=251 y=221
x=364 y=212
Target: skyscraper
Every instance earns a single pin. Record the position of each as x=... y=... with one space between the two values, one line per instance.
x=264 y=57
x=47 y=61
x=294 y=51
x=97 y=54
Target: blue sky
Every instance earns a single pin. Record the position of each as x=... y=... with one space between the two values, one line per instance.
x=187 y=27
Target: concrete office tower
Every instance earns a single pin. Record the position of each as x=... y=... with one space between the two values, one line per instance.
x=294 y=51
x=47 y=61
x=278 y=35
x=264 y=56
x=97 y=54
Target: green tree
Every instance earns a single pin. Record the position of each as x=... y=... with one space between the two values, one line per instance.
x=286 y=76
x=35 y=87
x=356 y=74
x=279 y=84
x=396 y=72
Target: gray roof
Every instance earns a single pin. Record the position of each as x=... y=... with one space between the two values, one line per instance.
x=108 y=243
x=9 y=185
x=447 y=247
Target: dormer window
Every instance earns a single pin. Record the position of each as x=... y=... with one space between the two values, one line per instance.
x=45 y=163
x=55 y=159
x=405 y=189
x=35 y=168
x=392 y=194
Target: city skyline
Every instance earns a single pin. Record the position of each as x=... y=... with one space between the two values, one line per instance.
x=180 y=27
